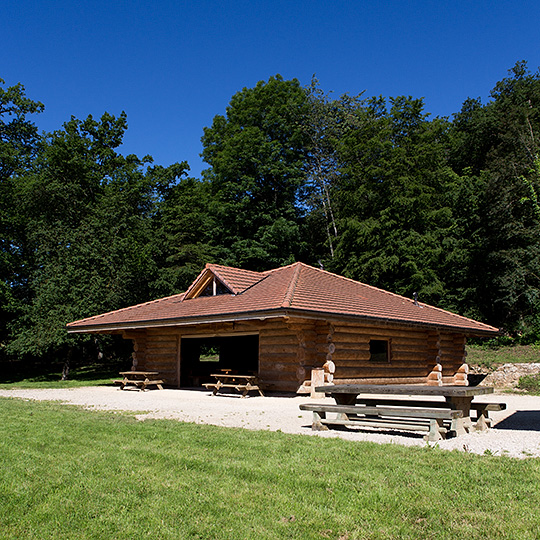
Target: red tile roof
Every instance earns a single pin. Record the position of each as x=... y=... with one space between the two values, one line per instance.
x=295 y=289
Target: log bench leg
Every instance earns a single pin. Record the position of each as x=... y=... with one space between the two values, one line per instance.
x=458 y=427
x=317 y=425
x=483 y=422
x=435 y=428
x=461 y=425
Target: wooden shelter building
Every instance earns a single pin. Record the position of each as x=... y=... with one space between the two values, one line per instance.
x=282 y=323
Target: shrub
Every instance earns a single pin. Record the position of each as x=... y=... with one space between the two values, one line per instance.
x=530 y=383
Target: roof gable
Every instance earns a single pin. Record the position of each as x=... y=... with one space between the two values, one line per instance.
x=234 y=280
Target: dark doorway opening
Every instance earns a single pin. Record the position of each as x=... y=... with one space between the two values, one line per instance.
x=200 y=357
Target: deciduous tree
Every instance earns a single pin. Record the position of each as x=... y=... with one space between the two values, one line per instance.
x=257 y=155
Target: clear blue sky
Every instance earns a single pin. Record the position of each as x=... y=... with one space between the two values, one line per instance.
x=173 y=65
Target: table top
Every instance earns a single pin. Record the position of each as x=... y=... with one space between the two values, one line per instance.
x=141 y=373
x=232 y=376
x=406 y=389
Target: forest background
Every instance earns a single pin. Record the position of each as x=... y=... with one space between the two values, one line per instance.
x=371 y=188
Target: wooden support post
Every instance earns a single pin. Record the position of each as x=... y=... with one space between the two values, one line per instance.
x=317 y=379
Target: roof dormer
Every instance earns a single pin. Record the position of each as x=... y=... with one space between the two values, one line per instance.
x=207 y=284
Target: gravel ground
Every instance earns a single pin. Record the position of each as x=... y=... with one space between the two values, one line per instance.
x=516 y=431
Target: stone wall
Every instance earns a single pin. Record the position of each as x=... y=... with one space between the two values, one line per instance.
x=505 y=376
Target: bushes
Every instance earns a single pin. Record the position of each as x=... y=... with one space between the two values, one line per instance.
x=530 y=383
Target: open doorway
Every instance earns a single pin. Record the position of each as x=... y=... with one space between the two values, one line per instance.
x=200 y=357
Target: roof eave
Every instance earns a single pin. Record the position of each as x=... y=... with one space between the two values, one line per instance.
x=184 y=321
x=273 y=313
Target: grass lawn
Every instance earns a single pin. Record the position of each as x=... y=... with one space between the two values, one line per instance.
x=15 y=375
x=75 y=474
x=491 y=357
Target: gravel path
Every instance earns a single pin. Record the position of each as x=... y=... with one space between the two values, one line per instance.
x=516 y=432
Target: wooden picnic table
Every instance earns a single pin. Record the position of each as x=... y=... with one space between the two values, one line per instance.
x=240 y=383
x=458 y=399
x=140 y=379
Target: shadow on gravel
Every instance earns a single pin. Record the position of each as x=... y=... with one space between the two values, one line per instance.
x=521 y=420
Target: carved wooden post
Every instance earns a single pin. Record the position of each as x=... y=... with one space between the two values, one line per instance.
x=317 y=379
x=329 y=370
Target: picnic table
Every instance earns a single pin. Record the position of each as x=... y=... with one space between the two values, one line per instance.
x=240 y=383
x=140 y=379
x=399 y=407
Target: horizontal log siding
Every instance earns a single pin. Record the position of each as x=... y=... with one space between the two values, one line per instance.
x=453 y=358
x=412 y=359
x=290 y=348
x=287 y=353
x=278 y=362
x=162 y=354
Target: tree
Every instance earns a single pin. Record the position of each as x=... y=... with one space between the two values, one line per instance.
x=256 y=154
x=88 y=224
x=326 y=122
x=393 y=215
x=19 y=144
x=501 y=142
x=185 y=227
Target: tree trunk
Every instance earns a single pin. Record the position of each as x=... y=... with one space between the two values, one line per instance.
x=67 y=363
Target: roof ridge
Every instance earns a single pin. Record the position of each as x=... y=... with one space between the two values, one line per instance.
x=214 y=265
x=271 y=271
x=287 y=301
x=157 y=300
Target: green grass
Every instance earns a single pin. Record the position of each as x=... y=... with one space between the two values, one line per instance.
x=15 y=375
x=74 y=474
x=491 y=356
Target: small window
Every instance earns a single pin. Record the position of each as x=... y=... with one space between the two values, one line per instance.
x=379 y=350
x=214 y=288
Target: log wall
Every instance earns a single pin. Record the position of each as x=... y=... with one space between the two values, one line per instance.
x=288 y=351
x=290 y=348
x=417 y=356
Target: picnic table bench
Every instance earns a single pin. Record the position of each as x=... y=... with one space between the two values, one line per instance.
x=481 y=408
x=140 y=379
x=403 y=410
x=240 y=383
x=409 y=419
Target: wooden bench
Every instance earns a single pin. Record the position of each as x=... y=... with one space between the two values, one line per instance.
x=437 y=422
x=240 y=383
x=140 y=379
x=482 y=408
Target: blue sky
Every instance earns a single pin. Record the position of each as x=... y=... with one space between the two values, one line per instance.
x=173 y=65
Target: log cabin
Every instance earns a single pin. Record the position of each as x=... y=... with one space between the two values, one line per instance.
x=285 y=323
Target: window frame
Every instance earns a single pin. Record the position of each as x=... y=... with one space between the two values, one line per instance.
x=388 y=350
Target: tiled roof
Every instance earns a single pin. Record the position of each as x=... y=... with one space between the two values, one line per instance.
x=295 y=289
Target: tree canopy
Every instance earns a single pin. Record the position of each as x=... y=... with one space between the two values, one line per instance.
x=373 y=188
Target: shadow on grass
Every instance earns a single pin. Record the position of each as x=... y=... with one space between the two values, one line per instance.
x=41 y=374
